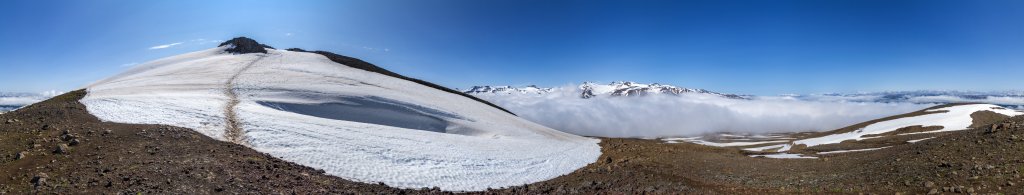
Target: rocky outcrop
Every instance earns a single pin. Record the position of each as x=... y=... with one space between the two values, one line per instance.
x=244 y=45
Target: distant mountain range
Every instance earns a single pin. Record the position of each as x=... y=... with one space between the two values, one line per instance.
x=1002 y=98
x=1013 y=99
x=530 y=89
x=591 y=89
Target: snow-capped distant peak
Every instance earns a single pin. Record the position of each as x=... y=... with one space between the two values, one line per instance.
x=592 y=89
x=530 y=89
x=626 y=88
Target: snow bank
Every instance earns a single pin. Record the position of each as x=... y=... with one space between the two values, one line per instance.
x=782 y=155
x=955 y=118
x=857 y=150
x=919 y=140
x=478 y=146
x=697 y=140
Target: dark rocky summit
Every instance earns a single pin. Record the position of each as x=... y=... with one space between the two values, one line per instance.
x=244 y=45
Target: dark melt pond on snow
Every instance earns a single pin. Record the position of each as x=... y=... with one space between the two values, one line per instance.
x=373 y=110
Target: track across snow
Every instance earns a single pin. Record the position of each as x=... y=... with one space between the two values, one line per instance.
x=233 y=132
x=480 y=146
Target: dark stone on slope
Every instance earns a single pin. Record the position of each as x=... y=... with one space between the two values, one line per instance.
x=61 y=149
x=244 y=45
x=363 y=65
x=39 y=179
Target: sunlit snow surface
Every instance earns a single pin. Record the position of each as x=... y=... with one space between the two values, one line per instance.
x=480 y=146
x=857 y=150
x=782 y=155
x=954 y=118
x=697 y=140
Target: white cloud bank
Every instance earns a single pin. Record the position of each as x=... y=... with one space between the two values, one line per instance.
x=10 y=101
x=165 y=46
x=691 y=114
x=1004 y=100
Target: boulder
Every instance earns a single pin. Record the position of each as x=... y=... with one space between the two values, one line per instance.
x=62 y=149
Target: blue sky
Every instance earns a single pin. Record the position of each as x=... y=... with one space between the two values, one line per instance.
x=749 y=47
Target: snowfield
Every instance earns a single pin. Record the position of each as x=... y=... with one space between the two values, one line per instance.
x=952 y=119
x=351 y=123
x=782 y=156
x=697 y=140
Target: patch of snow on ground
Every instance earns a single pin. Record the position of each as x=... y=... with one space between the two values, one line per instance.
x=783 y=155
x=763 y=148
x=918 y=140
x=697 y=140
x=480 y=147
x=857 y=150
x=955 y=118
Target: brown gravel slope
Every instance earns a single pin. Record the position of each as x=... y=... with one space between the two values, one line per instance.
x=154 y=159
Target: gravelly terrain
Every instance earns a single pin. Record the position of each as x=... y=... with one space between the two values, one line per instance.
x=57 y=147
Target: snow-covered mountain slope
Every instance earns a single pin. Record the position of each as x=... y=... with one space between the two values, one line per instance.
x=352 y=123
x=591 y=89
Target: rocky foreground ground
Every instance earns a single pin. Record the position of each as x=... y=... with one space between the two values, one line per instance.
x=57 y=147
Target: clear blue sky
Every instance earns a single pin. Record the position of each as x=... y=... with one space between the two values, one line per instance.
x=749 y=47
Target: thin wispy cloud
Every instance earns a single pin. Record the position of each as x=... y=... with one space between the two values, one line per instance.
x=204 y=41
x=376 y=49
x=288 y=34
x=129 y=64
x=200 y=41
x=165 y=46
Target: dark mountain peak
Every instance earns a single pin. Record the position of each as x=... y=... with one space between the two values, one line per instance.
x=244 y=45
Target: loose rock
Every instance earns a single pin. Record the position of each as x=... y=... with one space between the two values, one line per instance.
x=62 y=149
x=39 y=179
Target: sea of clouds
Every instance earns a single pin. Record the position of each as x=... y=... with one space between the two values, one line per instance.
x=656 y=116
x=10 y=101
